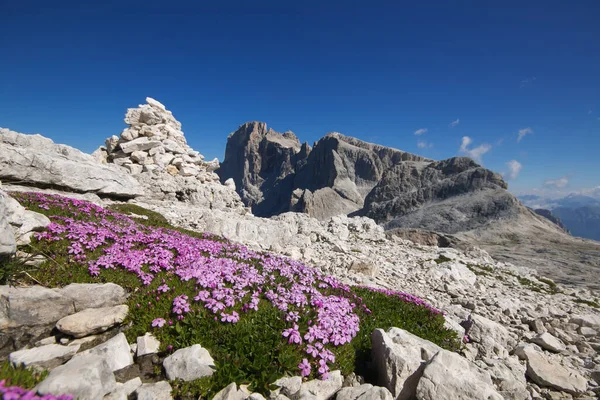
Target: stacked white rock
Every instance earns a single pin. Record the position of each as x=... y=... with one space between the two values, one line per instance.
x=154 y=142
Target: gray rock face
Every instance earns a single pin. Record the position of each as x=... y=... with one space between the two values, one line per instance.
x=364 y=392
x=549 y=342
x=318 y=389
x=94 y=295
x=115 y=352
x=547 y=373
x=189 y=363
x=261 y=163
x=35 y=305
x=92 y=320
x=48 y=357
x=341 y=175
x=154 y=391
x=273 y=173
x=23 y=222
x=7 y=236
x=448 y=376
x=420 y=195
x=85 y=377
x=399 y=357
x=37 y=160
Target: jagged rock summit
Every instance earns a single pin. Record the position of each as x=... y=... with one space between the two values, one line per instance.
x=274 y=173
x=343 y=175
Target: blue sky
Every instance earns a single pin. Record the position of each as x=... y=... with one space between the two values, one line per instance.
x=379 y=71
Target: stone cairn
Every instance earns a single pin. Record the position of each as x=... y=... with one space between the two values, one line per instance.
x=154 y=142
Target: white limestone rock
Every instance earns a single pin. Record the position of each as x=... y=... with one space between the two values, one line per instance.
x=8 y=244
x=448 y=376
x=318 y=389
x=154 y=391
x=231 y=392
x=147 y=344
x=189 y=363
x=85 y=377
x=32 y=306
x=46 y=357
x=398 y=356
x=364 y=392
x=114 y=351
x=548 y=373
x=94 y=295
x=549 y=342
x=139 y=144
x=36 y=160
x=123 y=390
x=92 y=320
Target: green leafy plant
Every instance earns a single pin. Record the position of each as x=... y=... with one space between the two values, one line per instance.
x=26 y=378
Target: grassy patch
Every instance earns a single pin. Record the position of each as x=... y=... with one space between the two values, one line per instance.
x=480 y=270
x=252 y=350
x=590 y=303
x=442 y=259
x=20 y=376
x=548 y=286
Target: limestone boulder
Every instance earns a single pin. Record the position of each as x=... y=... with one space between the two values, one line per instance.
x=85 y=377
x=548 y=342
x=318 y=389
x=147 y=344
x=92 y=320
x=548 y=373
x=32 y=306
x=364 y=392
x=94 y=295
x=154 y=391
x=8 y=244
x=398 y=359
x=448 y=376
x=115 y=352
x=189 y=363
x=46 y=357
x=37 y=160
x=23 y=222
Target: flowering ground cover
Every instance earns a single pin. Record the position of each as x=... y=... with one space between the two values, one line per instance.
x=261 y=316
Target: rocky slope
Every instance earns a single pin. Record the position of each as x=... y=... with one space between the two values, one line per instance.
x=528 y=337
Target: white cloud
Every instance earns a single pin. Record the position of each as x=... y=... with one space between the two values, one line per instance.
x=559 y=183
x=523 y=132
x=475 y=153
x=527 y=81
x=424 y=145
x=455 y=123
x=466 y=141
x=514 y=168
x=421 y=131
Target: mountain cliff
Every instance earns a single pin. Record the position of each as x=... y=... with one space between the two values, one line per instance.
x=274 y=174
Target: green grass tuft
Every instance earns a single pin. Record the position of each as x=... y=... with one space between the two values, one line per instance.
x=442 y=259
x=20 y=376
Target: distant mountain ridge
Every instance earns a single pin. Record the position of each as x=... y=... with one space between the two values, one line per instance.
x=274 y=174
x=580 y=213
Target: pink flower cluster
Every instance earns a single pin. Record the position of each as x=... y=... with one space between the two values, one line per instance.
x=230 y=279
x=18 y=393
